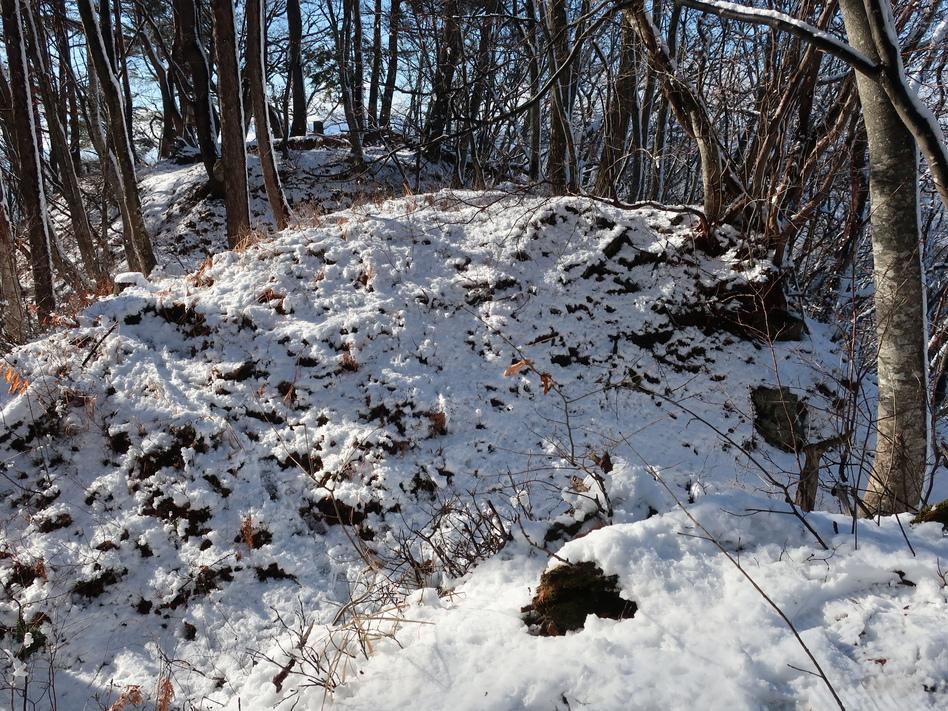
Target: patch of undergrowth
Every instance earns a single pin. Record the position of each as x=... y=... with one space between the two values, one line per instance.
x=937 y=513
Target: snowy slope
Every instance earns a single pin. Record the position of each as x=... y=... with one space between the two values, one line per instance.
x=233 y=479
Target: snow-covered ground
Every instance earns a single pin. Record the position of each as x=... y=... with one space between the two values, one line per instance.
x=329 y=469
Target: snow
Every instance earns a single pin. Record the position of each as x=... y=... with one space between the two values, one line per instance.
x=314 y=439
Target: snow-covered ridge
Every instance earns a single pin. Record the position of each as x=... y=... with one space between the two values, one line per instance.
x=210 y=463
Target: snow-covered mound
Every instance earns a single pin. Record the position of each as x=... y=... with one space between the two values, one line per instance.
x=187 y=225
x=229 y=481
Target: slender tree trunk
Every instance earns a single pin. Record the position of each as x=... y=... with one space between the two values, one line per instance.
x=32 y=194
x=121 y=70
x=898 y=472
x=341 y=35
x=186 y=27
x=66 y=71
x=82 y=229
x=718 y=182
x=391 y=73
x=557 y=163
x=142 y=257
x=233 y=163
x=618 y=115
x=258 y=98
x=15 y=323
x=656 y=188
x=294 y=21
x=358 y=65
x=534 y=115
x=448 y=59
x=375 y=76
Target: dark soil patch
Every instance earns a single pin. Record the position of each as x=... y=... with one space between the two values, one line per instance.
x=569 y=593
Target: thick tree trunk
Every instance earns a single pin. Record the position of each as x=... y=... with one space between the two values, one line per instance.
x=78 y=216
x=186 y=27
x=32 y=194
x=898 y=471
x=394 y=19
x=258 y=98
x=233 y=164
x=294 y=21
x=142 y=257
x=15 y=323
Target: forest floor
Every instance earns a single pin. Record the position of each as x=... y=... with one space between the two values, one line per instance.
x=328 y=470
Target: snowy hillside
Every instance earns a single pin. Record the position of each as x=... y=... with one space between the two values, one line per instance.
x=330 y=468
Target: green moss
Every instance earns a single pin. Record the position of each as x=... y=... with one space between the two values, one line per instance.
x=569 y=593
x=937 y=513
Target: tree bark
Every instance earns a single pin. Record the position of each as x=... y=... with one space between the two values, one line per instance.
x=341 y=34
x=258 y=98
x=141 y=257
x=394 y=19
x=898 y=471
x=294 y=21
x=718 y=182
x=557 y=164
x=15 y=323
x=619 y=115
x=449 y=56
x=78 y=216
x=32 y=194
x=232 y=168
x=186 y=28
x=375 y=76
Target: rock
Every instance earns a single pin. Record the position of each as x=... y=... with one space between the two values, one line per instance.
x=780 y=417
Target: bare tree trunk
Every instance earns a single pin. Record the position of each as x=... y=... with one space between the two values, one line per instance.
x=68 y=76
x=898 y=471
x=232 y=169
x=341 y=36
x=718 y=182
x=375 y=77
x=186 y=28
x=358 y=65
x=15 y=323
x=78 y=216
x=120 y=65
x=448 y=59
x=33 y=197
x=656 y=188
x=294 y=21
x=142 y=257
x=558 y=29
x=534 y=117
x=619 y=115
x=258 y=97
x=394 y=19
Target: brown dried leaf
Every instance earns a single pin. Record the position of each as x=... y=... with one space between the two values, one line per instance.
x=546 y=380
x=517 y=367
x=132 y=694
x=165 y=695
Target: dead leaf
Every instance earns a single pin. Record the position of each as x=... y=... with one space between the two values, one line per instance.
x=546 y=380
x=517 y=367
